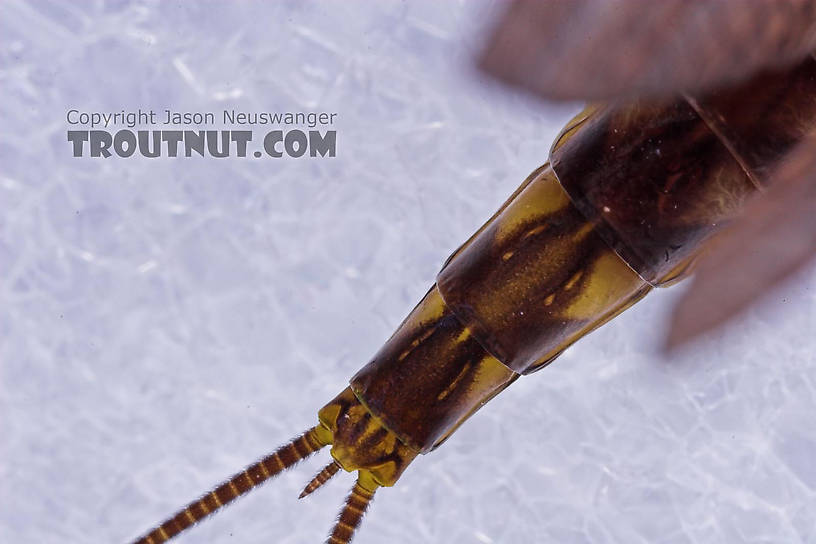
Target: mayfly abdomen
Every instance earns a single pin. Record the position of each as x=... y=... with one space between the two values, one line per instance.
x=632 y=194
x=536 y=278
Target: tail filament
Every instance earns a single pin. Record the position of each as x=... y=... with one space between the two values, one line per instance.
x=352 y=514
x=321 y=478
x=257 y=473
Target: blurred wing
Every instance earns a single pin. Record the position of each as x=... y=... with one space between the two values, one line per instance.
x=773 y=238
x=603 y=49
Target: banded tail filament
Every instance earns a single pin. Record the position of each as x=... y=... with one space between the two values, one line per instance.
x=270 y=466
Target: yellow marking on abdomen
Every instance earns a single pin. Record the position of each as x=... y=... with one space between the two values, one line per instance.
x=454 y=383
x=583 y=231
x=415 y=343
x=573 y=280
x=534 y=231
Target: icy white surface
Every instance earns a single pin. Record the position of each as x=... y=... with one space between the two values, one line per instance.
x=165 y=322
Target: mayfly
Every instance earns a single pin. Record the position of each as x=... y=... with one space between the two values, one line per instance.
x=632 y=191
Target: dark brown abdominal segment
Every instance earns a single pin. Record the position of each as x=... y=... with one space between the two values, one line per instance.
x=429 y=375
x=762 y=120
x=656 y=181
x=268 y=467
x=659 y=178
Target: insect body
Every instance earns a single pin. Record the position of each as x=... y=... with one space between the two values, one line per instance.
x=630 y=194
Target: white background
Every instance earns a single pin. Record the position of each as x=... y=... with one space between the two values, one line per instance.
x=165 y=322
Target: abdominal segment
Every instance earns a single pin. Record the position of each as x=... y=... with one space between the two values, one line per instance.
x=429 y=376
x=536 y=278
